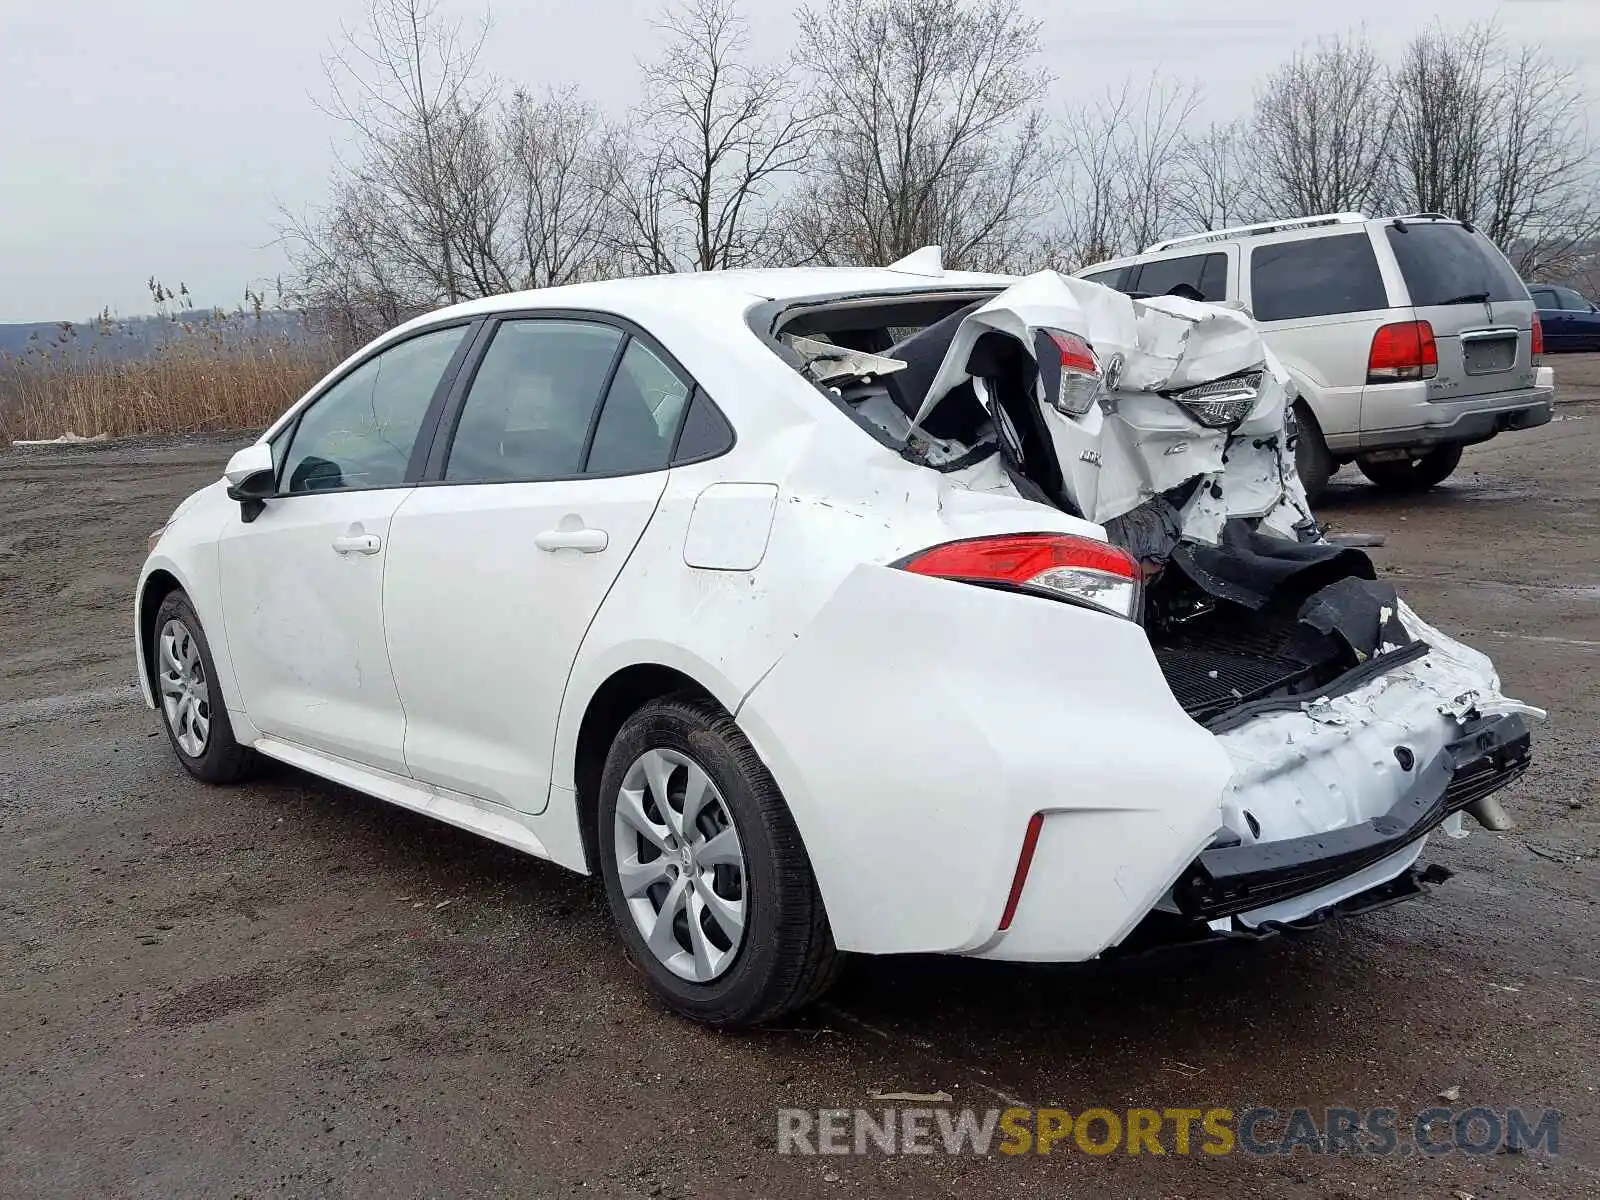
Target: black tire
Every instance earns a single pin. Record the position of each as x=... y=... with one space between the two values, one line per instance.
x=1312 y=460
x=222 y=759
x=1411 y=475
x=786 y=958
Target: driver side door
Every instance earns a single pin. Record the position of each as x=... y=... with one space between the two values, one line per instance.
x=302 y=583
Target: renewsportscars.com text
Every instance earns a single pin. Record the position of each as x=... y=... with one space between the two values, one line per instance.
x=1180 y=1131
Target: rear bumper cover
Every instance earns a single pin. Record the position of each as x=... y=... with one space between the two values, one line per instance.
x=1402 y=416
x=1223 y=881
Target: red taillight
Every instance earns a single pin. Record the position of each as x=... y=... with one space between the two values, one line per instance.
x=1030 y=842
x=1075 y=352
x=1405 y=350
x=1070 y=567
x=1538 y=336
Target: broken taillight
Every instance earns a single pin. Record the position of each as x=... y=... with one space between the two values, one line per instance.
x=1060 y=565
x=1405 y=350
x=1068 y=371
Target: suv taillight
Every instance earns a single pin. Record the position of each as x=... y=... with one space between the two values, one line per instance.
x=1405 y=350
x=1051 y=564
x=1538 y=336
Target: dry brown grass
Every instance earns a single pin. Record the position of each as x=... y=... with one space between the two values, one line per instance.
x=207 y=375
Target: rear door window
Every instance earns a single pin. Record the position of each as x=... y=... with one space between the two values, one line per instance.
x=1444 y=264
x=1544 y=297
x=1571 y=301
x=1315 y=277
x=1207 y=274
x=528 y=413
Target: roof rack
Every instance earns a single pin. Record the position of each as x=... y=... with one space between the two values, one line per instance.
x=1424 y=217
x=1219 y=235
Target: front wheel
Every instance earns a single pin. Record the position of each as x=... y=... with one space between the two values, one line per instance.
x=705 y=872
x=191 y=704
x=1312 y=459
x=1410 y=475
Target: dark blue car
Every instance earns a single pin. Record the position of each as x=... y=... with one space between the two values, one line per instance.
x=1570 y=322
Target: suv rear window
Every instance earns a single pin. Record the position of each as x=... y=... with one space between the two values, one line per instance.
x=1444 y=264
x=1315 y=277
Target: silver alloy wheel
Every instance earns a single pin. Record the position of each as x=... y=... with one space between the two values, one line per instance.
x=185 y=694
x=680 y=865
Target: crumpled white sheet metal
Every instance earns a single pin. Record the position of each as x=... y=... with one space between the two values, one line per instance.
x=1332 y=763
x=1137 y=444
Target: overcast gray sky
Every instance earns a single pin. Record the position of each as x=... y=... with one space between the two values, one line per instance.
x=159 y=137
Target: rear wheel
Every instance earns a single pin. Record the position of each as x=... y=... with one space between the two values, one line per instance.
x=1412 y=474
x=191 y=704
x=705 y=872
x=1312 y=459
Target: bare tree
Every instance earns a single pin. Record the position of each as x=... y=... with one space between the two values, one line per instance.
x=1123 y=178
x=451 y=191
x=718 y=134
x=1321 y=132
x=407 y=87
x=564 y=220
x=932 y=132
x=1497 y=136
x=1217 y=189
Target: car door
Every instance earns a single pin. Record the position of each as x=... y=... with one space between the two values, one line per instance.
x=301 y=583
x=546 y=475
x=1580 y=324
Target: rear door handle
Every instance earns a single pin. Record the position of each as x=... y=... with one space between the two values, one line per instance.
x=358 y=543
x=586 y=541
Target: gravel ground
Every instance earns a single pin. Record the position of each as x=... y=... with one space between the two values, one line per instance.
x=287 y=989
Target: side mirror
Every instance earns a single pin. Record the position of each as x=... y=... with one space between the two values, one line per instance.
x=252 y=479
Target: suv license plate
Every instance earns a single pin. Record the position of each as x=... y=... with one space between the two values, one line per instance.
x=1484 y=356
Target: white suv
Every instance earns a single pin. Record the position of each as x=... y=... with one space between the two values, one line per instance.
x=1407 y=337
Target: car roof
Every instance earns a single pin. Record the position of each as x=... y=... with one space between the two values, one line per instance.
x=1283 y=230
x=740 y=289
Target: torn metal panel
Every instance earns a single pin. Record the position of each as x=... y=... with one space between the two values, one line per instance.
x=1151 y=431
x=823 y=362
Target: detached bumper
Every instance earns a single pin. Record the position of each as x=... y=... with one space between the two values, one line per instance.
x=1227 y=880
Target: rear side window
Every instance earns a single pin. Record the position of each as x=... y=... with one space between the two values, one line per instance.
x=528 y=413
x=1205 y=274
x=1571 y=301
x=641 y=415
x=1544 y=297
x=1315 y=277
x=1444 y=264
x=706 y=433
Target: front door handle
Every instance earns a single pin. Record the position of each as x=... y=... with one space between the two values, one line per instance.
x=358 y=543
x=586 y=541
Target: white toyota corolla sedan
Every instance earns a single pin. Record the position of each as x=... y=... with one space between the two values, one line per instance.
x=818 y=611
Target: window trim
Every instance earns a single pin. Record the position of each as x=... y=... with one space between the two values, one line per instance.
x=449 y=420
x=426 y=431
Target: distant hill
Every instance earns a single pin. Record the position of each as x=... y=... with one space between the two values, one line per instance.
x=132 y=338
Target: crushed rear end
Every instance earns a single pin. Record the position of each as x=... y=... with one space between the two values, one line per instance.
x=1353 y=728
